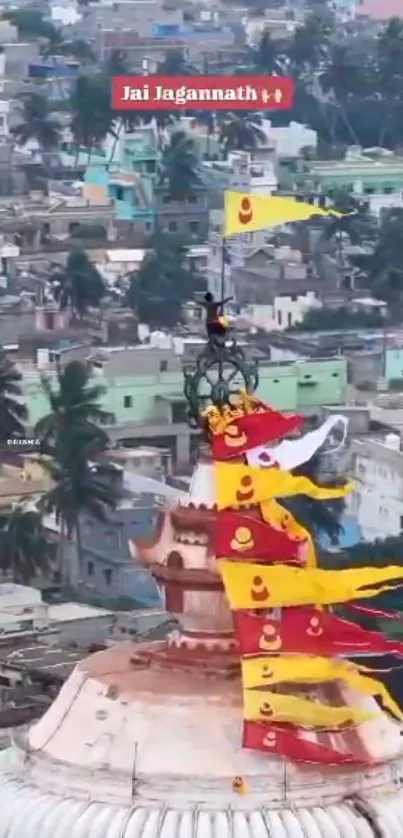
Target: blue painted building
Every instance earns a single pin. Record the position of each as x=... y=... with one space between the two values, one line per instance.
x=349 y=536
x=130 y=181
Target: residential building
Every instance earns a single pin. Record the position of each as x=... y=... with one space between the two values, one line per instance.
x=24 y=614
x=144 y=392
x=377 y=499
x=274 y=272
x=393 y=362
x=137 y=197
x=286 y=310
x=38 y=222
x=109 y=572
x=57 y=76
x=21 y=478
x=374 y=176
x=243 y=172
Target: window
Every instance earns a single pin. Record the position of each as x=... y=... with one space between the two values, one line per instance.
x=172 y=226
x=90 y=568
x=193 y=226
x=163 y=366
x=401 y=523
x=119 y=194
x=127 y=401
x=289 y=318
x=279 y=318
x=108 y=575
x=335 y=374
x=192 y=199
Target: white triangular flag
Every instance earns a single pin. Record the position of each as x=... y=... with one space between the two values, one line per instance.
x=291 y=453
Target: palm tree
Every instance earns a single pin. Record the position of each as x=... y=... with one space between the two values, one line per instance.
x=72 y=442
x=175 y=64
x=79 y=284
x=37 y=123
x=309 y=45
x=13 y=411
x=265 y=56
x=92 y=115
x=241 y=132
x=355 y=223
x=25 y=550
x=178 y=168
x=116 y=64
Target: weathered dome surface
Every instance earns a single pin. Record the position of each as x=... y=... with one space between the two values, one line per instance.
x=133 y=751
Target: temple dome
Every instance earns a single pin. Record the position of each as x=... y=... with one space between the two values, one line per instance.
x=129 y=750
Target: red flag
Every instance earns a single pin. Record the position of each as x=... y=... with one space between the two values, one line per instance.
x=288 y=741
x=308 y=631
x=251 y=423
x=244 y=537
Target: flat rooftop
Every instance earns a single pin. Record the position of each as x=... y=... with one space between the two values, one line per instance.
x=41 y=659
x=64 y=612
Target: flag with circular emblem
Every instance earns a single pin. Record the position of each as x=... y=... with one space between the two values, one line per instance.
x=291 y=453
x=261 y=586
x=309 y=631
x=233 y=432
x=246 y=212
x=271 y=670
x=280 y=518
x=291 y=742
x=271 y=707
x=243 y=536
x=241 y=485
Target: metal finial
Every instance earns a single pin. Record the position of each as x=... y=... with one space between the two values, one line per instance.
x=220 y=372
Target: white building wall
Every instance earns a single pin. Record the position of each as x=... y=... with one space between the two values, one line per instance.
x=377 y=500
x=285 y=312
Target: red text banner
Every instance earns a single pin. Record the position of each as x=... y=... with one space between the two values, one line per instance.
x=202 y=92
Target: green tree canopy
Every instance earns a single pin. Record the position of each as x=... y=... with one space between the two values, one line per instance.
x=37 y=123
x=241 y=132
x=79 y=284
x=179 y=166
x=163 y=283
x=25 y=549
x=73 y=442
x=92 y=114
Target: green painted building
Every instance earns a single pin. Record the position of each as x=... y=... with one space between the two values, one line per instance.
x=144 y=393
x=358 y=173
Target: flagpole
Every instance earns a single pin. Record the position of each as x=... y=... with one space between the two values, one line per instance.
x=224 y=243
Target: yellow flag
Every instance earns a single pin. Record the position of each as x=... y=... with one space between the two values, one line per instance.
x=241 y=485
x=275 y=707
x=303 y=669
x=262 y=586
x=244 y=212
x=281 y=519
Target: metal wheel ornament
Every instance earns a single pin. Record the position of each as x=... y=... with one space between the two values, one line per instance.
x=220 y=372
